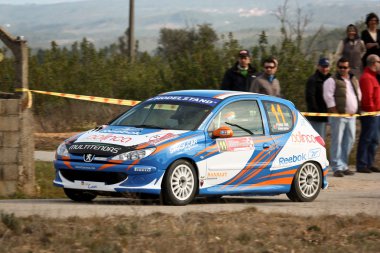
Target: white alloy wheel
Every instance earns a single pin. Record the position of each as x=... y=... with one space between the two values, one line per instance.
x=306 y=184
x=309 y=180
x=180 y=183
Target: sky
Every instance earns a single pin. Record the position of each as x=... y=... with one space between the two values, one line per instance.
x=35 y=1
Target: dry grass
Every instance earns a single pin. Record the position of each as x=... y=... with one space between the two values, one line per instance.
x=245 y=231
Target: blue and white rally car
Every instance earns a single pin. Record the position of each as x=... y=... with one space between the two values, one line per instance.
x=189 y=143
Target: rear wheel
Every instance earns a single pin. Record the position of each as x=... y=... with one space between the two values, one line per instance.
x=306 y=183
x=180 y=184
x=79 y=195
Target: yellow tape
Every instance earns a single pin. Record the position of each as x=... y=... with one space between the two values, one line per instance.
x=86 y=98
x=315 y=114
x=29 y=97
x=135 y=102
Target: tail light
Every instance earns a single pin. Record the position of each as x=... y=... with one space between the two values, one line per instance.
x=320 y=140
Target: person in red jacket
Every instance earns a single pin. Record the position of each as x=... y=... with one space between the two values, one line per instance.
x=369 y=139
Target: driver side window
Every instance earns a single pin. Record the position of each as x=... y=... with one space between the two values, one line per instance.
x=238 y=115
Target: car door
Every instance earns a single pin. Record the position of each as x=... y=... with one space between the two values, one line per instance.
x=236 y=161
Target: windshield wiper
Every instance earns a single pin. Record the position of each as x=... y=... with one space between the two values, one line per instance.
x=242 y=128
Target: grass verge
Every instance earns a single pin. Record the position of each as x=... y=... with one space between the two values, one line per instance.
x=243 y=231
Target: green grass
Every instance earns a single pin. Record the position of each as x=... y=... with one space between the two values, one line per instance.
x=45 y=174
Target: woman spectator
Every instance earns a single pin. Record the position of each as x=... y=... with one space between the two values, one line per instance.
x=352 y=48
x=371 y=36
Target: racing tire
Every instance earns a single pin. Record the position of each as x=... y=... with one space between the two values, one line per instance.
x=180 y=184
x=79 y=195
x=306 y=184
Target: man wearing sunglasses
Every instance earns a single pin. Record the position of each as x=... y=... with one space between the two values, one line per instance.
x=342 y=94
x=267 y=83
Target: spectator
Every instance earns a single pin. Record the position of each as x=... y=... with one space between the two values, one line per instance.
x=314 y=96
x=370 y=125
x=352 y=48
x=267 y=83
x=371 y=36
x=240 y=76
x=342 y=94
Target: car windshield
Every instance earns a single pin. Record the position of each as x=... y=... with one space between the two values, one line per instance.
x=161 y=115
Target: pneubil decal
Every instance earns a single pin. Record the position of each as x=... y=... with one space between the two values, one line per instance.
x=236 y=144
x=192 y=99
x=128 y=131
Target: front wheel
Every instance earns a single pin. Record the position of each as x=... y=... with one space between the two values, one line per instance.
x=306 y=183
x=79 y=195
x=180 y=184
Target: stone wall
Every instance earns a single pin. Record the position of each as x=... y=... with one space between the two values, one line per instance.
x=17 y=170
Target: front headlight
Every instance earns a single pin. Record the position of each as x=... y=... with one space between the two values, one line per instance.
x=134 y=155
x=62 y=150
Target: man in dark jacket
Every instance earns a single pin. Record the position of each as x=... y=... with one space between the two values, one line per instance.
x=314 y=96
x=240 y=76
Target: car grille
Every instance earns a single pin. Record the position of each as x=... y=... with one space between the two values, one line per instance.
x=94 y=176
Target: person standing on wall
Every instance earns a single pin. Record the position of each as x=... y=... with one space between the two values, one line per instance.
x=342 y=94
x=314 y=96
x=352 y=48
x=369 y=140
x=240 y=76
x=267 y=83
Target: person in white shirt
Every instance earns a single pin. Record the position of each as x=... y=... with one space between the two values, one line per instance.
x=342 y=95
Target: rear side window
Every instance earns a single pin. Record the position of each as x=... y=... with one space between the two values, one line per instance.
x=280 y=117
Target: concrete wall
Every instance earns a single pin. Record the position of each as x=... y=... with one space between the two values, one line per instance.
x=17 y=170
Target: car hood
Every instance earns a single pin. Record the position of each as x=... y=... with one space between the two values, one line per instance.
x=128 y=136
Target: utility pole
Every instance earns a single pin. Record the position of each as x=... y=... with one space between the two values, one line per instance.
x=131 y=35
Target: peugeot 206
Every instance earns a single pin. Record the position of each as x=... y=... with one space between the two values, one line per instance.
x=183 y=144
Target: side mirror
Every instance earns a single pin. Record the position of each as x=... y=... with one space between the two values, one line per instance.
x=223 y=132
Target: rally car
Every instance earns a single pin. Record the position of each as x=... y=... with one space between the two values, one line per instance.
x=183 y=144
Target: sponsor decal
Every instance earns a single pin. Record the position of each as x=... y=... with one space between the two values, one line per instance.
x=216 y=174
x=298 y=137
x=197 y=100
x=109 y=137
x=88 y=158
x=292 y=159
x=129 y=131
x=281 y=126
x=314 y=153
x=91 y=185
x=156 y=139
x=183 y=146
x=84 y=148
x=235 y=144
x=80 y=167
x=144 y=169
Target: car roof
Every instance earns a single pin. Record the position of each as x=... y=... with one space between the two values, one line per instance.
x=219 y=94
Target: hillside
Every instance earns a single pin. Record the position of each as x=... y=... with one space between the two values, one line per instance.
x=103 y=21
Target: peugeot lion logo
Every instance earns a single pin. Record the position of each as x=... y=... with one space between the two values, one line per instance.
x=88 y=158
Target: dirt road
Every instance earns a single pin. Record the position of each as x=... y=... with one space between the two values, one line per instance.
x=345 y=196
